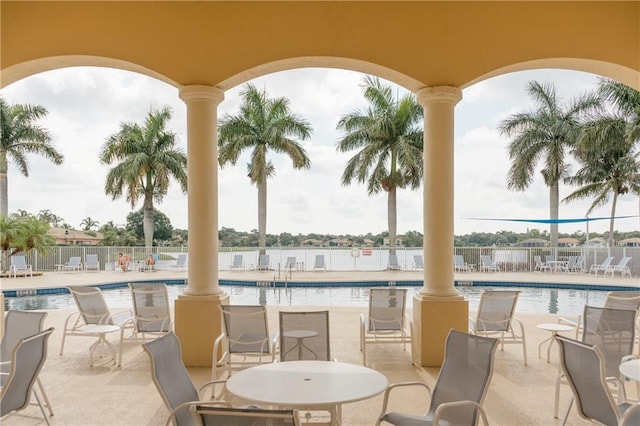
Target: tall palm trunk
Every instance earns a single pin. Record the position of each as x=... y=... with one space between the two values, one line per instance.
x=262 y=215
x=613 y=214
x=554 y=201
x=147 y=221
x=4 y=196
x=392 y=218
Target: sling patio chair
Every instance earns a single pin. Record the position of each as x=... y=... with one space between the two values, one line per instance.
x=151 y=309
x=319 y=263
x=93 y=310
x=539 y=265
x=604 y=266
x=74 y=264
x=621 y=268
x=460 y=388
x=264 y=263
x=245 y=340
x=27 y=358
x=418 y=262
x=238 y=263
x=393 y=263
x=173 y=381
x=181 y=262
x=585 y=368
x=488 y=265
x=386 y=320
x=214 y=414
x=613 y=331
x=291 y=263
x=20 y=325
x=19 y=264
x=304 y=336
x=496 y=318
x=459 y=265
x=92 y=263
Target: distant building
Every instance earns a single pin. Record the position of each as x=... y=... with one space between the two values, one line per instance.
x=339 y=242
x=312 y=243
x=534 y=242
x=71 y=236
x=385 y=242
x=596 y=242
x=629 y=242
x=568 y=242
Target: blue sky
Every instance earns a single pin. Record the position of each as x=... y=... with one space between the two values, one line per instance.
x=86 y=105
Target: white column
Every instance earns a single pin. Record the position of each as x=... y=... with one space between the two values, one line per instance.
x=439 y=106
x=202 y=163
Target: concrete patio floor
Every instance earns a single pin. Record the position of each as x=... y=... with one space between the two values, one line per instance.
x=107 y=395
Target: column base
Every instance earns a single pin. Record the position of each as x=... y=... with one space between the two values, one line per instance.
x=433 y=317
x=198 y=323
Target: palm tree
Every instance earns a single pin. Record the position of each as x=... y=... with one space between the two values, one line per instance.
x=390 y=141
x=146 y=157
x=627 y=101
x=609 y=165
x=20 y=234
x=262 y=124
x=21 y=135
x=88 y=223
x=545 y=134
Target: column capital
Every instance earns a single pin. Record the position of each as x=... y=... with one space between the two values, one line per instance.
x=199 y=92
x=428 y=95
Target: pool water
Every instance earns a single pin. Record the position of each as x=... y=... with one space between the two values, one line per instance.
x=531 y=300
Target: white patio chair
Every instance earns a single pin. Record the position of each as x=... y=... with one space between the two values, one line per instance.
x=584 y=366
x=604 y=266
x=621 y=268
x=74 y=264
x=151 y=309
x=27 y=358
x=460 y=388
x=488 y=265
x=181 y=262
x=238 y=262
x=418 y=262
x=496 y=318
x=91 y=263
x=386 y=321
x=319 y=264
x=304 y=336
x=19 y=264
x=264 y=263
x=393 y=263
x=539 y=265
x=214 y=414
x=291 y=264
x=460 y=265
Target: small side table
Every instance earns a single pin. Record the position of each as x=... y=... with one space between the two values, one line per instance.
x=100 y=331
x=554 y=329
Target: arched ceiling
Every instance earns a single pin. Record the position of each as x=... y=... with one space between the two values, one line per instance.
x=413 y=43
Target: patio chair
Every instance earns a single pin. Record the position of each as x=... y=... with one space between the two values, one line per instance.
x=585 y=368
x=245 y=340
x=393 y=263
x=418 y=262
x=93 y=310
x=488 y=265
x=539 y=265
x=172 y=379
x=579 y=266
x=151 y=309
x=570 y=266
x=613 y=331
x=621 y=267
x=91 y=263
x=460 y=388
x=238 y=262
x=291 y=263
x=19 y=264
x=460 y=265
x=74 y=264
x=206 y=414
x=604 y=266
x=27 y=358
x=181 y=262
x=496 y=318
x=20 y=325
x=264 y=263
x=386 y=321
x=304 y=336
x=319 y=263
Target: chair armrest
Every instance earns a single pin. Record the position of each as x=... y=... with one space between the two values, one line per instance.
x=121 y=317
x=171 y=419
x=392 y=386
x=455 y=404
x=472 y=326
x=630 y=412
x=211 y=384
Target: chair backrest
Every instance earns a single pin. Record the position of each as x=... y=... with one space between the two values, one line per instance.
x=246 y=328
x=571 y=262
x=208 y=415
x=74 y=261
x=151 y=308
x=181 y=260
x=290 y=263
x=538 y=260
x=92 y=260
x=606 y=263
x=417 y=259
x=622 y=264
x=238 y=260
x=19 y=325
x=264 y=260
x=549 y=258
x=613 y=331
x=304 y=336
x=27 y=358
x=171 y=376
x=465 y=375
x=584 y=367
x=487 y=261
x=19 y=261
x=91 y=304
x=387 y=309
x=580 y=262
x=623 y=300
x=458 y=260
x=496 y=310
x=319 y=263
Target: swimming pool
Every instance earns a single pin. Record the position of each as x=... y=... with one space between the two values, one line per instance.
x=532 y=300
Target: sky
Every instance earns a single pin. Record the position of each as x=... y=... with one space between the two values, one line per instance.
x=86 y=105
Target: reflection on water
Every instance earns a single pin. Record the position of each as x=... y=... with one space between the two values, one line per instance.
x=531 y=300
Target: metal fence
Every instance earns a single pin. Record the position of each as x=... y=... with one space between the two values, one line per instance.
x=336 y=258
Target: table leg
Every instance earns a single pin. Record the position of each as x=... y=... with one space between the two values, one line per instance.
x=543 y=342
x=102 y=340
x=336 y=415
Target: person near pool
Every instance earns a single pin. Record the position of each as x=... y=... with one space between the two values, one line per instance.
x=123 y=261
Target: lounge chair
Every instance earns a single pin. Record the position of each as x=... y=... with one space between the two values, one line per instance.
x=181 y=262
x=496 y=317
x=93 y=310
x=319 y=263
x=584 y=366
x=27 y=358
x=386 y=321
x=604 y=266
x=579 y=266
x=151 y=309
x=570 y=266
x=460 y=388
x=393 y=263
x=621 y=267
x=172 y=379
x=264 y=263
x=488 y=265
x=19 y=264
x=245 y=340
x=304 y=336
x=291 y=263
x=460 y=265
x=74 y=264
x=539 y=265
x=418 y=263
x=20 y=325
x=613 y=331
x=91 y=263
x=206 y=414
x=238 y=262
